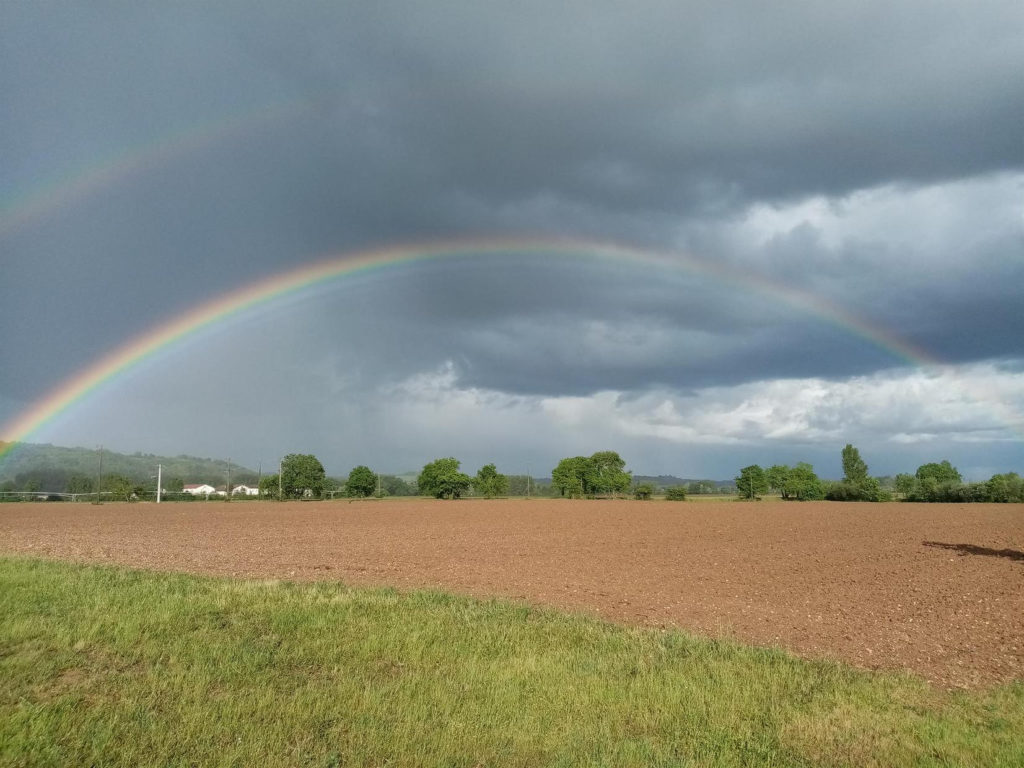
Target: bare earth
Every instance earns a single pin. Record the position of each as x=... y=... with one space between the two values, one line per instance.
x=937 y=589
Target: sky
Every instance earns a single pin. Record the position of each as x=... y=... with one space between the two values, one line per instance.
x=822 y=205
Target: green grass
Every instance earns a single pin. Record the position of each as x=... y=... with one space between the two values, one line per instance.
x=108 y=666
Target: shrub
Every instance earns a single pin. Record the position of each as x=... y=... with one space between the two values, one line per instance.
x=675 y=493
x=643 y=492
x=868 y=489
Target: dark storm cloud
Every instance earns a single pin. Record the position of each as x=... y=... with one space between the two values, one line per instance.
x=658 y=105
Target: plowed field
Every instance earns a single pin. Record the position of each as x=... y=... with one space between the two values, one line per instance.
x=937 y=589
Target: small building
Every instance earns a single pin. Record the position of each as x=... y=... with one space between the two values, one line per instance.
x=245 y=490
x=198 y=489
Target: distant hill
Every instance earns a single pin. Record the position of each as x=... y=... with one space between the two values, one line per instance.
x=667 y=481
x=53 y=465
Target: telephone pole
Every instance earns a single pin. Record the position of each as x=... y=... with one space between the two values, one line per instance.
x=159 y=480
x=99 y=473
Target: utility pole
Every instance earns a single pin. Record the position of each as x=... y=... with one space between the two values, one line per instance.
x=99 y=473
x=159 y=480
x=378 y=485
x=280 y=481
x=228 y=488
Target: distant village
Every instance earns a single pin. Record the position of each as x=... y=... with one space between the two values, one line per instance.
x=203 y=489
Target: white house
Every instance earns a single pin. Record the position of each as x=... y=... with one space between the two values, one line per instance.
x=245 y=490
x=198 y=489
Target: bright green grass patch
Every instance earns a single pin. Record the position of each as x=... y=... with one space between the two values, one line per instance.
x=107 y=666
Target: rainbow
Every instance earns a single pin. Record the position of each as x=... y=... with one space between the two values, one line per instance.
x=34 y=206
x=262 y=292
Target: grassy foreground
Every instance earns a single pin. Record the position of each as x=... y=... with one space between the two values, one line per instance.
x=108 y=666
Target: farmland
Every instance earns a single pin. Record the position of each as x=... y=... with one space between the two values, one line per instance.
x=934 y=589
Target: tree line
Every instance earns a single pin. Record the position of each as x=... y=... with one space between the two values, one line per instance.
x=604 y=473
x=303 y=476
x=933 y=482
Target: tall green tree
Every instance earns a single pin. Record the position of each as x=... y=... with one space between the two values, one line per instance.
x=362 y=482
x=442 y=480
x=856 y=485
x=943 y=472
x=776 y=476
x=855 y=471
x=569 y=478
x=606 y=473
x=490 y=483
x=802 y=483
x=751 y=483
x=302 y=476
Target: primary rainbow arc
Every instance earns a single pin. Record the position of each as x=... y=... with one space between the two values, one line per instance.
x=82 y=384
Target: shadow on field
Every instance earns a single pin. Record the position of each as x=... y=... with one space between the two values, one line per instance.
x=972 y=549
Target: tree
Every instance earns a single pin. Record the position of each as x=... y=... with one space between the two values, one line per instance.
x=603 y=472
x=643 y=492
x=118 y=486
x=675 y=493
x=569 y=477
x=1005 y=488
x=79 y=484
x=855 y=471
x=442 y=480
x=302 y=476
x=802 y=484
x=940 y=473
x=904 y=484
x=362 y=482
x=490 y=483
x=856 y=485
x=269 y=487
x=752 y=482
x=606 y=473
x=776 y=476
x=396 y=486
x=868 y=489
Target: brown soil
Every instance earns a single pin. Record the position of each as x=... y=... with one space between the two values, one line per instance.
x=937 y=589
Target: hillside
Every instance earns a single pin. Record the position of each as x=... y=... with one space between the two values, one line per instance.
x=53 y=465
